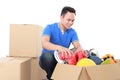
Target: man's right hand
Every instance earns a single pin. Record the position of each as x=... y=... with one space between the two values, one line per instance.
x=64 y=51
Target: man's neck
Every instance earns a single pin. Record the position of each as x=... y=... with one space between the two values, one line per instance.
x=62 y=28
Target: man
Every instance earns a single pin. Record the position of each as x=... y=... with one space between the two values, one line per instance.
x=58 y=37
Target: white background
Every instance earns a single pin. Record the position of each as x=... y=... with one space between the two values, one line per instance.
x=97 y=21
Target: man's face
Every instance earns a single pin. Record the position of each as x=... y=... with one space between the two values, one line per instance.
x=68 y=20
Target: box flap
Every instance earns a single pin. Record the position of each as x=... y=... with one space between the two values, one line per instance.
x=104 y=72
x=84 y=75
x=13 y=60
x=66 y=72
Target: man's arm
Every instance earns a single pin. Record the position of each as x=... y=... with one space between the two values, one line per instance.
x=77 y=45
x=47 y=45
x=50 y=46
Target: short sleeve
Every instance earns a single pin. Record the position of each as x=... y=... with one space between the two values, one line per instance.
x=75 y=36
x=47 y=30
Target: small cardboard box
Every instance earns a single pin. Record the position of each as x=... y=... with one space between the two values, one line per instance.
x=98 y=72
x=25 y=40
x=14 y=68
x=36 y=72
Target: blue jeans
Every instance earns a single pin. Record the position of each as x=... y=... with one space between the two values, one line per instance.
x=47 y=62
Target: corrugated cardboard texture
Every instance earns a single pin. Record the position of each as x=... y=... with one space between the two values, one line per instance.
x=118 y=60
x=84 y=75
x=36 y=72
x=66 y=72
x=25 y=40
x=104 y=72
x=98 y=72
x=14 y=68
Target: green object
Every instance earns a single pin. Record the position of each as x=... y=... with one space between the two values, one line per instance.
x=107 y=61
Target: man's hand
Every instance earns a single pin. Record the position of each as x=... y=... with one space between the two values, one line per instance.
x=64 y=51
x=79 y=49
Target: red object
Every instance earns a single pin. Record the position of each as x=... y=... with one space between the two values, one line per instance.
x=62 y=56
x=72 y=60
x=80 y=54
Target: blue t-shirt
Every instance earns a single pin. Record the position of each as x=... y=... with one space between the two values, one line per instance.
x=57 y=37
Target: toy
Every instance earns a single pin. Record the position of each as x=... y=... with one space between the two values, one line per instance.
x=56 y=55
x=65 y=59
x=80 y=54
x=96 y=59
x=108 y=59
x=93 y=52
x=85 y=62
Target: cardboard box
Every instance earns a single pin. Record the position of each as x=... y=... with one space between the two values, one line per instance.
x=36 y=72
x=98 y=72
x=14 y=68
x=118 y=60
x=25 y=40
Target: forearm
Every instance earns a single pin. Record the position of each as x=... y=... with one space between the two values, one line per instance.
x=77 y=45
x=50 y=46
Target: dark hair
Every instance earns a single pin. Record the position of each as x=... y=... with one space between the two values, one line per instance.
x=67 y=9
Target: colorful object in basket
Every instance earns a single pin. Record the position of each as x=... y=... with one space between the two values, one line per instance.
x=56 y=55
x=91 y=52
x=85 y=62
x=80 y=55
x=96 y=59
x=65 y=59
x=72 y=60
x=108 y=61
x=93 y=55
x=108 y=58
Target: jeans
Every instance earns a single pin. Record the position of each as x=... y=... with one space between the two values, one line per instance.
x=47 y=62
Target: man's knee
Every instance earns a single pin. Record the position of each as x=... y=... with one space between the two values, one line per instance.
x=48 y=56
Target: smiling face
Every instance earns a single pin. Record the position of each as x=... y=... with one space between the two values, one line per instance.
x=67 y=20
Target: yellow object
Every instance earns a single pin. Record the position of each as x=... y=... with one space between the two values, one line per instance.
x=107 y=56
x=85 y=62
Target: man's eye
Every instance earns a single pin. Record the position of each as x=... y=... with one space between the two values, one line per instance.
x=70 y=20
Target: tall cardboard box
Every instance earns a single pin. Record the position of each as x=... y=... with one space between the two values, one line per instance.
x=25 y=40
x=98 y=72
x=36 y=72
x=12 y=68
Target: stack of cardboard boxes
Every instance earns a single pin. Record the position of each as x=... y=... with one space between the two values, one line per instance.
x=23 y=60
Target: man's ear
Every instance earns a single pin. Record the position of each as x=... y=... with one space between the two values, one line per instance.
x=61 y=17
